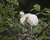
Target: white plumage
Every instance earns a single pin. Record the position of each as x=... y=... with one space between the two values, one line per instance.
x=32 y=19
x=29 y=18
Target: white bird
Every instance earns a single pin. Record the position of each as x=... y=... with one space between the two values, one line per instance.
x=32 y=19
x=29 y=18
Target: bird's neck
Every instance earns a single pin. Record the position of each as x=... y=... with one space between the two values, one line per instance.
x=22 y=15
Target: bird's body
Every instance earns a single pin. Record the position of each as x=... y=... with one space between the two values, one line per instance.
x=32 y=19
x=29 y=18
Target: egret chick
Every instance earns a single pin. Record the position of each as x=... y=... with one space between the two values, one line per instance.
x=32 y=19
x=29 y=18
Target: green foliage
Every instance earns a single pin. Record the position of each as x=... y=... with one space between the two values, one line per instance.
x=36 y=7
x=10 y=27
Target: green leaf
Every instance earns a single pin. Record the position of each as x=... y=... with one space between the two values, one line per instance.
x=11 y=25
x=37 y=7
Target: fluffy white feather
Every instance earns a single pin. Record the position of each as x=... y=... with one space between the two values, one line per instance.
x=32 y=19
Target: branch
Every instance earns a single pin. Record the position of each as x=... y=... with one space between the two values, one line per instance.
x=42 y=30
x=38 y=34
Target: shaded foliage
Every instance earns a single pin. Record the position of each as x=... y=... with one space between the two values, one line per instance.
x=10 y=27
x=28 y=4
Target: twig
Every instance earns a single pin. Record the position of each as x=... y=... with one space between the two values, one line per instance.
x=42 y=30
x=38 y=34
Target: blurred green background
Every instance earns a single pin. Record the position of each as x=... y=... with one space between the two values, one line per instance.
x=10 y=27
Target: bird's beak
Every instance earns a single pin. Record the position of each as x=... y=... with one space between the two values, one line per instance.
x=20 y=15
x=25 y=19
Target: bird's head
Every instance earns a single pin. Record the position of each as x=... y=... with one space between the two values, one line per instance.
x=21 y=14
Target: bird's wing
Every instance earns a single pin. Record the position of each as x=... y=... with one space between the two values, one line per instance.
x=33 y=20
